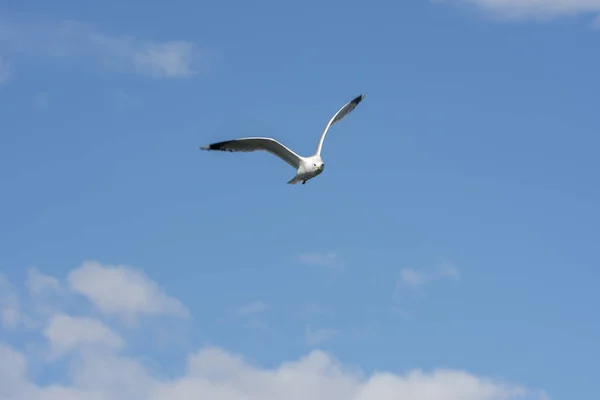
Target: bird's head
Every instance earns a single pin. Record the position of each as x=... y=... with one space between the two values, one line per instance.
x=319 y=165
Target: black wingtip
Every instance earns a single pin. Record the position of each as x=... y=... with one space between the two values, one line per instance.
x=212 y=146
x=358 y=99
x=217 y=146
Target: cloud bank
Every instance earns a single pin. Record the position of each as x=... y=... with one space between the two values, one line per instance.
x=102 y=366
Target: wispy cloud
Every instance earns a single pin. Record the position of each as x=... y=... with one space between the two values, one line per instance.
x=250 y=315
x=313 y=309
x=42 y=99
x=12 y=314
x=327 y=260
x=77 y=41
x=253 y=308
x=38 y=283
x=158 y=60
x=417 y=278
x=412 y=281
x=533 y=8
x=10 y=308
x=125 y=101
x=317 y=336
x=4 y=70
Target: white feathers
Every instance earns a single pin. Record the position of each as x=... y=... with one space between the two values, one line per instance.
x=306 y=167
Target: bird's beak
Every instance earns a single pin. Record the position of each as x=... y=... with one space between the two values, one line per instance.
x=321 y=167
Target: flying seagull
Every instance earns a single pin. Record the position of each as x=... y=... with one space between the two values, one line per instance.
x=306 y=167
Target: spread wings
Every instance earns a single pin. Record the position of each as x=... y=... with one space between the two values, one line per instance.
x=342 y=112
x=256 y=144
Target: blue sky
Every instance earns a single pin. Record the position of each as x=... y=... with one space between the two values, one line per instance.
x=453 y=231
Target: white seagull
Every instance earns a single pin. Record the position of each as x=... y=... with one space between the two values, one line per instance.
x=306 y=167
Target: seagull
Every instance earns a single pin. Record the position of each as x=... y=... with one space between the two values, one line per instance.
x=306 y=167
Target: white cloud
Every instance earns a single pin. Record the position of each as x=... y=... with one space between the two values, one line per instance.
x=326 y=260
x=318 y=336
x=123 y=291
x=4 y=70
x=39 y=283
x=13 y=370
x=66 y=333
x=99 y=369
x=76 y=41
x=417 y=278
x=535 y=8
x=10 y=307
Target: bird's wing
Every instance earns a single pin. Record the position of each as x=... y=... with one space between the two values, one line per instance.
x=256 y=144
x=342 y=112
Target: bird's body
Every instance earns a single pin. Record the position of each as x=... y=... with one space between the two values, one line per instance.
x=306 y=167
